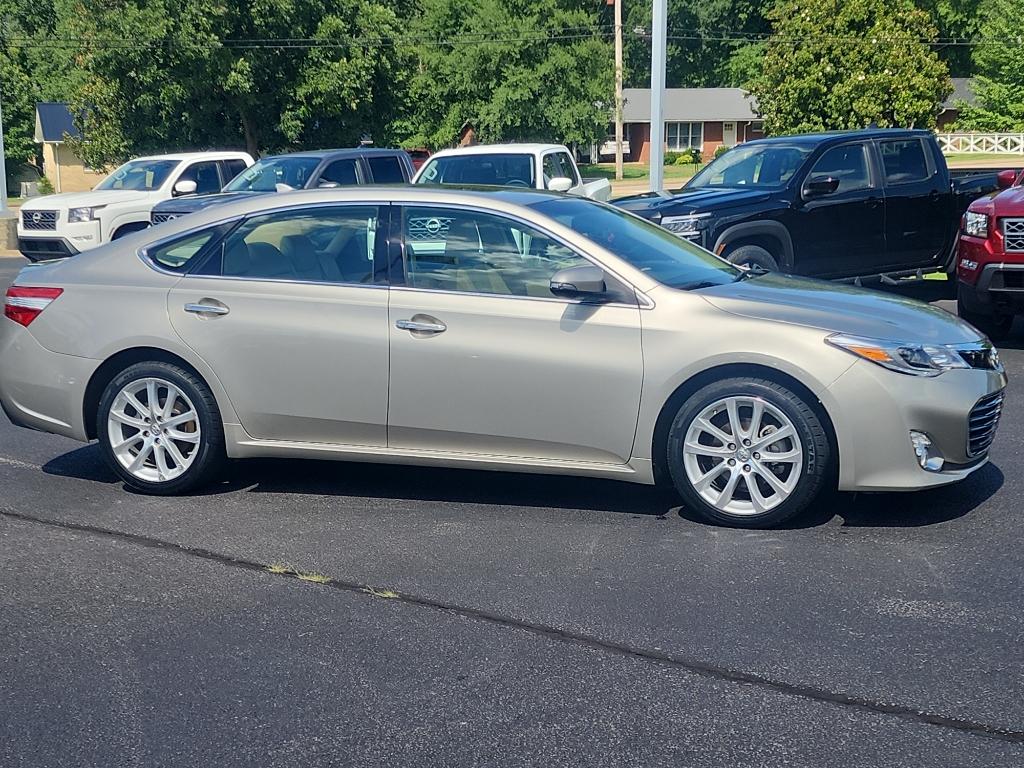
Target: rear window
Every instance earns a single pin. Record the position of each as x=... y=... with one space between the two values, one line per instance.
x=504 y=170
x=177 y=255
x=904 y=161
x=386 y=170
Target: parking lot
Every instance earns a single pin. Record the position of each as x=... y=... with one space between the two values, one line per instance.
x=326 y=614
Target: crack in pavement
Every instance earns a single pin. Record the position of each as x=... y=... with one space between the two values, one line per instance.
x=694 y=666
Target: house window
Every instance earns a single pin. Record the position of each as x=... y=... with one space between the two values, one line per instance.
x=684 y=135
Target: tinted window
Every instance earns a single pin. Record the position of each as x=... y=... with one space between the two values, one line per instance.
x=204 y=175
x=332 y=245
x=457 y=250
x=232 y=168
x=568 y=167
x=657 y=252
x=501 y=170
x=904 y=161
x=758 y=165
x=848 y=163
x=386 y=170
x=177 y=255
x=269 y=173
x=139 y=174
x=340 y=172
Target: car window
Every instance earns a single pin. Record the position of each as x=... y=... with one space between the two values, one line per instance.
x=331 y=245
x=754 y=165
x=273 y=173
x=341 y=173
x=847 y=163
x=508 y=170
x=386 y=170
x=204 y=175
x=551 y=168
x=458 y=250
x=232 y=168
x=904 y=161
x=568 y=167
x=178 y=254
x=139 y=174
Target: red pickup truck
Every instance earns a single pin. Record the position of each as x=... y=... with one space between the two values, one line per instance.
x=990 y=260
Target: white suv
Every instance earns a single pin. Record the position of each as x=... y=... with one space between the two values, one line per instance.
x=56 y=226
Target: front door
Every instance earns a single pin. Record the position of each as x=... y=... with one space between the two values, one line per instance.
x=729 y=134
x=842 y=232
x=287 y=313
x=486 y=361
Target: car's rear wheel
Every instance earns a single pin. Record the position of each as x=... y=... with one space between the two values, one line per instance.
x=748 y=453
x=160 y=428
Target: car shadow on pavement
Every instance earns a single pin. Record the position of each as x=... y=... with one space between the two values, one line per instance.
x=464 y=486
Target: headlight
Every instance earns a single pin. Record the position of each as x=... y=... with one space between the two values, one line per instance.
x=84 y=214
x=687 y=226
x=976 y=224
x=914 y=359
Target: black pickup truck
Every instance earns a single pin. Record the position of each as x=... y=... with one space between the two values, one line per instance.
x=323 y=168
x=832 y=205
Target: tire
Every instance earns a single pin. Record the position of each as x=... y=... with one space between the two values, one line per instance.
x=801 y=471
x=191 y=450
x=753 y=256
x=996 y=326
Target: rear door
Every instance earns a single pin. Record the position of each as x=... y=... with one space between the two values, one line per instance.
x=918 y=204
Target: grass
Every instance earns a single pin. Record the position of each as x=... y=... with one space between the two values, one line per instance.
x=978 y=158
x=637 y=171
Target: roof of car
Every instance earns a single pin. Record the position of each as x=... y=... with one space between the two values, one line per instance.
x=494 y=149
x=322 y=154
x=819 y=138
x=212 y=154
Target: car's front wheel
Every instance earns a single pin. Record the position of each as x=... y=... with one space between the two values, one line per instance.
x=747 y=453
x=160 y=428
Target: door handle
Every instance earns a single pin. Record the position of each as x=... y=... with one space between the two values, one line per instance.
x=426 y=325
x=207 y=309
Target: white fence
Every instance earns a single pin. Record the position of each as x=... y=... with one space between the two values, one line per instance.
x=982 y=143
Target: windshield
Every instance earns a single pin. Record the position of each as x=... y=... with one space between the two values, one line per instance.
x=757 y=165
x=265 y=175
x=144 y=175
x=655 y=251
x=499 y=170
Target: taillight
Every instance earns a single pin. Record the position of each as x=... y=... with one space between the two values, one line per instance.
x=24 y=304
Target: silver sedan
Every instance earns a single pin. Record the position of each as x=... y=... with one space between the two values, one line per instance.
x=504 y=330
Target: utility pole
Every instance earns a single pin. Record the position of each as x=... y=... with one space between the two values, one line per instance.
x=659 y=32
x=3 y=164
x=618 y=90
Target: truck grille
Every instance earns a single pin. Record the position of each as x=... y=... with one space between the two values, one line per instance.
x=39 y=219
x=1013 y=234
x=983 y=422
x=160 y=218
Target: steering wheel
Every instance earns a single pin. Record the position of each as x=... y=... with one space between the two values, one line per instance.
x=516 y=183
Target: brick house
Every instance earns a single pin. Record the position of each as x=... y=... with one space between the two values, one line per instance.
x=705 y=118
x=64 y=169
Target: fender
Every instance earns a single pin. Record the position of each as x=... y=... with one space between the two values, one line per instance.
x=753 y=228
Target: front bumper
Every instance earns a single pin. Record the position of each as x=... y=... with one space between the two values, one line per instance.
x=875 y=410
x=999 y=288
x=67 y=239
x=40 y=389
x=45 y=248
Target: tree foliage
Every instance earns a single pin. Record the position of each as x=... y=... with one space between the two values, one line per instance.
x=999 y=86
x=843 y=64
x=514 y=69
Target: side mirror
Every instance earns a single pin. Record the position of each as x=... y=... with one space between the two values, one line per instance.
x=184 y=187
x=579 y=283
x=560 y=184
x=328 y=185
x=1005 y=179
x=819 y=186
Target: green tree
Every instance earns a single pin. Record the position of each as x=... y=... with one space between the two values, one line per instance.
x=514 y=69
x=955 y=19
x=179 y=74
x=999 y=85
x=843 y=64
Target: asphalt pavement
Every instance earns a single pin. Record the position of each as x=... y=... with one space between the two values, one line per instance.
x=332 y=614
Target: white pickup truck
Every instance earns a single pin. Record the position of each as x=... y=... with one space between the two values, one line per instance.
x=533 y=166
x=57 y=226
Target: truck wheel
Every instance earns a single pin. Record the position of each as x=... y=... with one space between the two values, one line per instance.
x=753 y=256
x=995 y=325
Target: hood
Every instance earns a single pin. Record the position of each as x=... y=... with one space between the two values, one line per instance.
x=1009 y=201
x=67 y=200
x=654 y=205
x=192 y=203
x=839 y=308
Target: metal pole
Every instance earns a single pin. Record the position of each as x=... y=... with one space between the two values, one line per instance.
x=659 y=24
x=618 y=89
x=3 y=164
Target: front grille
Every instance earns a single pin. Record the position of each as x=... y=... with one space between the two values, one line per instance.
x=984 y=420
x=39 y=219
x=1013 y=234
x=984 y=357
x=160 y=218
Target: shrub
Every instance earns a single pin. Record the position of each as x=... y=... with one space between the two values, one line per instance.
x=721 y=151
x=671 y=158
x=45 y=186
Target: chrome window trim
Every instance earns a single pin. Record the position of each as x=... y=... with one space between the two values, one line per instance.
x=555 y=299
x=643 y=301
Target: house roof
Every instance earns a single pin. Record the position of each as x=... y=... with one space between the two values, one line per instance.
x=53 y=121
x=963 y=90
x=690 y=104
